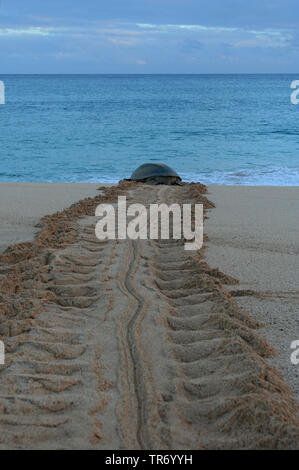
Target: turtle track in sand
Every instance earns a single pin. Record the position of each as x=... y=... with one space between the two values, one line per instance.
x=131 y=344
x=136 y=361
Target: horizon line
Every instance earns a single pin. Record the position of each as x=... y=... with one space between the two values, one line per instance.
x=142 y=74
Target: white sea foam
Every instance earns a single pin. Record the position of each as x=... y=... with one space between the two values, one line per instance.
x=267 y=176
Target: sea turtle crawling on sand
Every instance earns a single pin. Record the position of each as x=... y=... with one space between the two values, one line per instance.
x=155 y=173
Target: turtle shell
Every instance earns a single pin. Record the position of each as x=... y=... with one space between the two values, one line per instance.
x=150 y=170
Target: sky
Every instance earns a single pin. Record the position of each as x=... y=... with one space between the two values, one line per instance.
x=149 y=36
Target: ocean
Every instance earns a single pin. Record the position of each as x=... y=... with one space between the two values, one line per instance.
x=217 y=129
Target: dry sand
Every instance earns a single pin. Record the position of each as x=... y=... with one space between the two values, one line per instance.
x=133 y=344
x=23 y=204
x=254 y=236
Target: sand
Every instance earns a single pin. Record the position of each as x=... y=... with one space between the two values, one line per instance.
x=23 y=204
x=253 y=236
x=137 y=344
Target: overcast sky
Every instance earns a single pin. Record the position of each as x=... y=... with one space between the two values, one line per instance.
x=149 y=36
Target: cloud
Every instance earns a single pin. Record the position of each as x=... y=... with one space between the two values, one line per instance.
x=31 y=31
x=188 y=27
x=121 y=34
x=199 y=28
x=169 y=36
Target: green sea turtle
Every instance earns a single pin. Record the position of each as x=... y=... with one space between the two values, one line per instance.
x=155 y=173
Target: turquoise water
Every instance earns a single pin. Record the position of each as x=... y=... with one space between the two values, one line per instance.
x=226 y=129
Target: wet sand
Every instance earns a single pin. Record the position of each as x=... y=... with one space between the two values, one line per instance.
x=133 y=344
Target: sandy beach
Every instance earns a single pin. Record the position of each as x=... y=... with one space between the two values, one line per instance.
x=23 y=204
x=140 y=344
x=253 y=236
